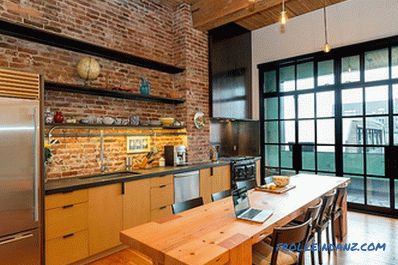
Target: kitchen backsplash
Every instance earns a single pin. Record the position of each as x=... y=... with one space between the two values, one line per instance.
x=78 y=156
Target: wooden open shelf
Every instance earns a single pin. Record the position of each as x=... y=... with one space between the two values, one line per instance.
x=29 y=33
x=103 y=126
x=107 y=93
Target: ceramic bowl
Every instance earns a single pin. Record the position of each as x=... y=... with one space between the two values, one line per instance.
x=108 y=120
x=281 y=181
x=155 y=123
x=167 y=121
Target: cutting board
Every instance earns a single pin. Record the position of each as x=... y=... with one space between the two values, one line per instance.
x=277 y=190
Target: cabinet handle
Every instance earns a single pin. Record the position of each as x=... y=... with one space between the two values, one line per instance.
x=68 y=235
x=163 y=207
x=162 y=186
x=67 y=206
x=123 y=188
x=211 y=171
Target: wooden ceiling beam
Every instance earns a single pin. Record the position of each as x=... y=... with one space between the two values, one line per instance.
x=209 y=14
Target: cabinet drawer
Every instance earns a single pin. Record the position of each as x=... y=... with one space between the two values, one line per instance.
x=161 y=212
x=67 y=249
x=66 y=220
x=159 y=181
x=161 y=196
x=63 y=199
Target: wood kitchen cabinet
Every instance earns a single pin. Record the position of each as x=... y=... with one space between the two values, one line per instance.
x=214 y=180
x=105 y=217
x=66 y=227
x=136 y=203
x=162 y=197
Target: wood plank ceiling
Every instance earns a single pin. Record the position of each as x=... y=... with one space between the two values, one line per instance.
x=209 y=14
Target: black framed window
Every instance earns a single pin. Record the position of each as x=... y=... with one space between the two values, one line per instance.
x=335 y=114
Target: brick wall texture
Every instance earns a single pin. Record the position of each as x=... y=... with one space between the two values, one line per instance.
x=152 y=29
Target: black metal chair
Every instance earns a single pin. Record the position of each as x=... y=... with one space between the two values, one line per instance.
x=264 y=253
x=186 y=205
x=337 y=211
x=324 y=221
x=313 y=213
x=247 y=184
x=220 y=195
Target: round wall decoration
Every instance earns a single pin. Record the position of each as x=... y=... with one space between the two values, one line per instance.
x=88 y=68
x=199 y=119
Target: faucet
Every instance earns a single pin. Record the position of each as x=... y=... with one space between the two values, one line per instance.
x=104 y=161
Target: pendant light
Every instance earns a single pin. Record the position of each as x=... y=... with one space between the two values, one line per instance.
x=283 y=18
x=252 y=4
x=326 y=48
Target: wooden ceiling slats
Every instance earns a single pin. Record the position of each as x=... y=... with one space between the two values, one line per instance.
x=294 y=8
x=209 y=14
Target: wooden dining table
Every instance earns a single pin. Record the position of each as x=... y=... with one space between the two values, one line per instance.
x=211 y=234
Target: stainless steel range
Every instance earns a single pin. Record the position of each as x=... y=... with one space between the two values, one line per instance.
x=242 y=168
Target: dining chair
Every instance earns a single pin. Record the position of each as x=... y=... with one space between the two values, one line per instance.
x=248 y=184
x=313 y=213
x=186 y=205
x=264 y=253
x=324 y=221
x=337 y=210
x=220 y=195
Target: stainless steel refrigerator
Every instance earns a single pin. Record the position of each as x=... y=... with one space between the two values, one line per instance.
x=20 y=181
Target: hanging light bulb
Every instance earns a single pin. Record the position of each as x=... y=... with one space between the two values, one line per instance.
x=283 y=18
x=326 y=48
x=252 y=4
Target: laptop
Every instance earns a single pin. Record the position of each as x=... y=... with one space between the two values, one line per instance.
x=243 y=210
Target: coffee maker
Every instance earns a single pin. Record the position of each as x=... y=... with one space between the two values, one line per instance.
x=175 y=155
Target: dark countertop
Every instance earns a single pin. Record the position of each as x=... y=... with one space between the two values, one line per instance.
x=76 y=183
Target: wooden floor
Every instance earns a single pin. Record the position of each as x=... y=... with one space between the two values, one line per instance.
x=362 y=228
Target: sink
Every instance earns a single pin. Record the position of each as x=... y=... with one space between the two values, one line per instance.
x=110 y=175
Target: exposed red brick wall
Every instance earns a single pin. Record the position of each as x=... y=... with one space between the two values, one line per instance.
x=147 y=28
x=77 y=156
x=141 y=27
x=191 y=49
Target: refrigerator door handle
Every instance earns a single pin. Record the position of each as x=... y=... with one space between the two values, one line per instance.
x=35 y=168
x=16 y=238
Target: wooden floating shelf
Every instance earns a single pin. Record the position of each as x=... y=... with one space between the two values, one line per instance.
x=24 y=32
x=107 y=93
x=103 y=126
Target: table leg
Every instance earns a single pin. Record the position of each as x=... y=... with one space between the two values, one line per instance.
x=241 y=254
x=340 y=224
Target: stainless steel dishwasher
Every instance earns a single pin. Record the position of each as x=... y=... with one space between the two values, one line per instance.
x=186 y=186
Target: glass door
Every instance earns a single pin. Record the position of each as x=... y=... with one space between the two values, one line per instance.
x=299 y=118
x=336 y=114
